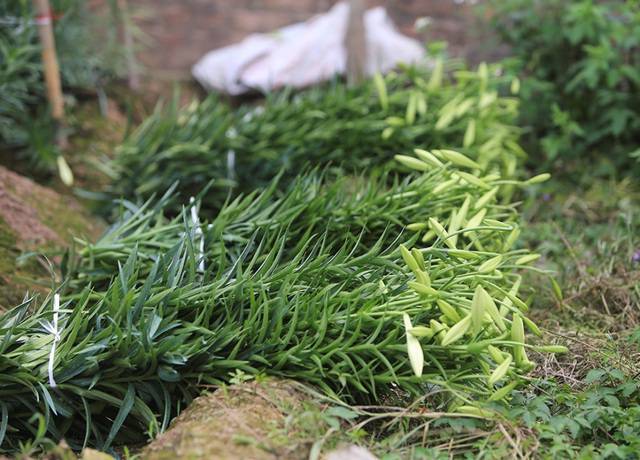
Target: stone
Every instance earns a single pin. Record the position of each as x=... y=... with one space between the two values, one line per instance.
x=243 y=421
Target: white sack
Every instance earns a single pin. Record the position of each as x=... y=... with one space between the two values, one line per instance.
x=304 y=54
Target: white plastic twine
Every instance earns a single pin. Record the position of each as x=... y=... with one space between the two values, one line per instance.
x=56 y=338
x=198 y=234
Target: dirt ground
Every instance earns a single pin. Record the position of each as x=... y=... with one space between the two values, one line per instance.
x=36 y=224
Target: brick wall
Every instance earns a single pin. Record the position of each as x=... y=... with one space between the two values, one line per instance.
x=181 y=31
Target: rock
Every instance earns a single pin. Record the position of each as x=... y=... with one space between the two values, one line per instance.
x=33 y=217
x=244 y=421
x=350 y=452
x=92 y=454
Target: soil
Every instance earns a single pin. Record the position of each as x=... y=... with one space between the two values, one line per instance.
x=35 y=218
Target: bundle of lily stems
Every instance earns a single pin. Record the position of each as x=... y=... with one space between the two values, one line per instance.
x=360 y=286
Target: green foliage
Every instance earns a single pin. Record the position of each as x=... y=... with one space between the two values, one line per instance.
x=351 y=128
x=25 y=124
x=307 y=285
x=600 y=421
x=580 y=67
x=20 y=78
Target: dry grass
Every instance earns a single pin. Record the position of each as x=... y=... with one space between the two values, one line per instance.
x=586 y=352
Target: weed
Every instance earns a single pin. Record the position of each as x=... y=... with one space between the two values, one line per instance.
x=578 y=64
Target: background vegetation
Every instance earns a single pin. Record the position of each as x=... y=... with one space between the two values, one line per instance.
x=88 y=56
x=351 y=129
x=579 y=64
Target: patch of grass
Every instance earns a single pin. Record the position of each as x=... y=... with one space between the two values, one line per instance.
x=597 y=418
x=587 y=234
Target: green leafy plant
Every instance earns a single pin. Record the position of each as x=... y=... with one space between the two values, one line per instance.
x=579 y=67
x=600 y=421
x=20 y=78
x=310 y=284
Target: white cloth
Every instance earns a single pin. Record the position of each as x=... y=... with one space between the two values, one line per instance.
x=304 y=54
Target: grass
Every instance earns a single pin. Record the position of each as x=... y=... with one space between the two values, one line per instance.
x=586 y=403
x=589 y=237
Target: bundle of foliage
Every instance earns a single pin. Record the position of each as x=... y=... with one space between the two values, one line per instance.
x=25 y=124
x=316 y=284
x=580 y=67
x=350 y=128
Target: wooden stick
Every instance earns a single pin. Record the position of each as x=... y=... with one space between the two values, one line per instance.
x=44 y=20
x=132 y=71
x=355 y=43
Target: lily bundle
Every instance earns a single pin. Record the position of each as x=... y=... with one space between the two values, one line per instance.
x=348 y=128
x=360 y=286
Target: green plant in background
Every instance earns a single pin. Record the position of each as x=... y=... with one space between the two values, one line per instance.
x=25 y=124
x=187 y=145
x=310 y=284
x=20 y=72
x=350 y=128
x=579 y=62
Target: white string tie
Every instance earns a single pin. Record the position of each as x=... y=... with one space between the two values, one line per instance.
x=198 y=235
x=56 y=338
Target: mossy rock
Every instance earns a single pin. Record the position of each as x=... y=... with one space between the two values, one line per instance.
x=34 y=218
x=251 y=420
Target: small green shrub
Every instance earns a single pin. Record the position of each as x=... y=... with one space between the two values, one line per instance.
x=579 y=62
x=20 y=74
x=599 y=421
